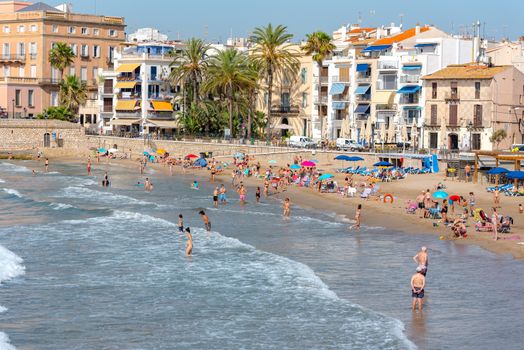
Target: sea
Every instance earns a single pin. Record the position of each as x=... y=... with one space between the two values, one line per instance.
x=87 y=267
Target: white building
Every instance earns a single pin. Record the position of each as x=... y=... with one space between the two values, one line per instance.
x=147 y=35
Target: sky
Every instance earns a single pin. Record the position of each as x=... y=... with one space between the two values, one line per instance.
x=215 y=20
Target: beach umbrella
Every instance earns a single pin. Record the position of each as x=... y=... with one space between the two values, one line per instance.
x=515 y=175
x=454 y=198
x=102 y=150
x=161 y=151
x=191 y=155
x=272 y=161
x=497 y=171
x=112 y=150
x=440 y=195
x=295 y=167
x=325 y=177
x=391 y=131
x=343 y=157
x=239 y=155
x=355 y=159
x=308 y=163
x=384 y=164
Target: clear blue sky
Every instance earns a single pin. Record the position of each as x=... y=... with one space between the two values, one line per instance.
x=186 y=18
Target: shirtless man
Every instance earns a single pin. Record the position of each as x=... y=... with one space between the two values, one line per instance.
x=286 y=208
x=189 y=243
x=242 y=194
x=422 y=260
x=205 y=219
x=180 y=223
x=420 y=202
x=418 y=282
x=215 y=197
x=46 y=165
x=467 y=171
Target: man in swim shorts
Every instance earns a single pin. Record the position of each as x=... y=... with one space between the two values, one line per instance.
x=180 y=223
x=421 y=258
x=205 y=219
x=418 y=282
x=222 y=194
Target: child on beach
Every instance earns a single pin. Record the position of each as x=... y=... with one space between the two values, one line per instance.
x=215 y=197
x=194 y=185
x=180 y=223
x=286 y=208
x=242 y=194
x=222 y=194
x=189 y=244
x=521 y=209
x=205 y=219
x=356 y=226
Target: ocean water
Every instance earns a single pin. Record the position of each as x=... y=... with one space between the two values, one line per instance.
x=84 y=267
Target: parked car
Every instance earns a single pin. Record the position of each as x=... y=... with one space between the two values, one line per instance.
x=348 y=145
x=301 y=141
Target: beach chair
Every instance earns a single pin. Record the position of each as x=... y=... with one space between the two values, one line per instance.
x=411 y=207
x=434 y=213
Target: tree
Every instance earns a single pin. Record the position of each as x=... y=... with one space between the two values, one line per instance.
x=60 y=57
x=57 y=113
x=319 y=45
x=273 y=52
x=498 y=136
x=228 y=73
x=73 y=93
x=189 y=66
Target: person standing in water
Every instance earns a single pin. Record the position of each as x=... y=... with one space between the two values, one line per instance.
x=242 y=193
x=286 y=208
x=147 y=185
x=257 y=194
x=89 y=166
x=189 y=243
x=358 y=217
x=46 y=165
x=105 y=181
x=418 y=282
x=422 y=259
x=180 y=223
x=215 y=197
x=205 y=219
x=222 y=194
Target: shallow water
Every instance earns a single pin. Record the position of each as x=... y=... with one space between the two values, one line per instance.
x=105 y=269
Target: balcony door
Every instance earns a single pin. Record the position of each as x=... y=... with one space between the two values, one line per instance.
x=284 y=100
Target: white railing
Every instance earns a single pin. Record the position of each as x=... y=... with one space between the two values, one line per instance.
x=387 y=65
x=407 y=78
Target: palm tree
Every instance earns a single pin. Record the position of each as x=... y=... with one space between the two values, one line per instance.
x=228 y=72
x=251 y=95
x=273 y=52
x=319 y=45
x=73 y=93
x=190 y=64
x=60 y=57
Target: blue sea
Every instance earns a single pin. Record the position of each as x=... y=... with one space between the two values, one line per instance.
x=86 y=267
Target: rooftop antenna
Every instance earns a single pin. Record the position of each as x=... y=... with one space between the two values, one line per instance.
x=401 y=15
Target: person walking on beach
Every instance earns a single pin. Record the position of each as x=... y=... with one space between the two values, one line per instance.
x=472 y=204
x=205 y=219
x=180 y=223
x=215 y=197
x=427 y=203
x=356 y=226
x=89 y=166
x=418 y=283
x=189 y=243
x=422 y=259
x=46 y=165
x=495 y=222
x=496 y=197
x=286 y=208
x=213 y=173
x=233 y=177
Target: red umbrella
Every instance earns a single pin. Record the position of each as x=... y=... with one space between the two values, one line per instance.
x=191 y=155
x=307 y=163
x=454 y=198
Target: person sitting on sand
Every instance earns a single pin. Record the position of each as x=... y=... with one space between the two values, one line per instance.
x=418 y=283
x=189 y=243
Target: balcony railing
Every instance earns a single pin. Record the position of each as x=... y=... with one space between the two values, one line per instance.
x=407 y=78
x=128 y=78
x=452 y=96
x=409 y=100
x=387 y=65
x=363 y=98
x=12 y=57
x=49 y=81
x=107 y=109
x=363 y=78
x=284 y=109
x=19 y=80
x=320 y=100
x=124 y=96
x=340 y=79
x=341 y=98
x=392 y=107
x=321 y=79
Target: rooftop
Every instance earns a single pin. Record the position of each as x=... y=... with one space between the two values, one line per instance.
x=466 y=71
x=39 y=6
x=400 y=37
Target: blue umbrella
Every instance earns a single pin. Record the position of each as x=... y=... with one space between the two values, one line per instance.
x=355 y=159
x=343 y=157
x=102 y=150
x=239 y=155
x=440 y=195
x=497 y=171
x=325 y=177
x=201 y=162
x=516 y=175
x=295 y=167
x=383 y=164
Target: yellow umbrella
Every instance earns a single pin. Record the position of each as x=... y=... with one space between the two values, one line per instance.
x=161 y=151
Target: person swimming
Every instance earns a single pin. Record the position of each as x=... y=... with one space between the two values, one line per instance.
x=195 y=185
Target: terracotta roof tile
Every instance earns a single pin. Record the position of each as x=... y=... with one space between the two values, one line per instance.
x=400 y=37
x=360 y=30
x=466 y=71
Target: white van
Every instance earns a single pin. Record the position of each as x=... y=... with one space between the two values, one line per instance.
x=301 y=141
x=348 y=144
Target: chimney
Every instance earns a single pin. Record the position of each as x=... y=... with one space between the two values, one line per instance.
x=417 y=29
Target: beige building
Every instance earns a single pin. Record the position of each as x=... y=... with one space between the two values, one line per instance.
x=292 y=99
x=465 y=104
x=28 y=84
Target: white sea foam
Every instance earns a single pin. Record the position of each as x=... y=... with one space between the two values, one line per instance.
x=104 y=197
x=14 y=168
x=10 y=265
x=2 y=309
x=2 y=181
x=4 y=342
x=60 y=206
x=13 y=192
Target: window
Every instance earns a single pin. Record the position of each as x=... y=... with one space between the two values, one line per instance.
x=434 y=116
x=32 y=50
x=71 y=30
x=433 y=140
x=108 y=104
x=95 y=72
x=96 y=31
x=54 y=98
x=96 y=51
x=454 y=89
x=31 y=98
x=72 y=70
x=6 y=50
x=112 y=32
x=7 y=29
x=18 y=97
x=477 y=90
x=33 y=71
x=21 y=49
x=475 y=141
x=434 y=91
x=303 y=75
x=304 y=99
x=85 y=31
x=477 y=115
x=34 y=28
x=84 y=51
x=389 y=82
x=21 y=28
x=108 y=86
x=74 y=48
x=21 y=71
x=453 y=112
x=153 y=72
x=55 y=28
x=111 y=53
x=83 y=73
x=7 y=71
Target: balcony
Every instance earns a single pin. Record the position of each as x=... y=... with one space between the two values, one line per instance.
x=450 y=96
x=49 y=81
x=6 y=58
x=341 y=98
x=322 y=100
x=340 y=79
x=284 y=109
x=409 y=99
x=364 y=78
x=409 y=79
x=363 y=98
x=387 y=65
x=128 y=78
x=392 y=107
x=128 y=96
x=18 y=80
x=323 y=80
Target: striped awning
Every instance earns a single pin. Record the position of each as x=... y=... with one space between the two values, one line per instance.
x=337 y=88
x=162 y=106
x=126 y=105
x=125 y=122
x=339 y=105
x=163 y=124
x=125 y=84
x=127 y=67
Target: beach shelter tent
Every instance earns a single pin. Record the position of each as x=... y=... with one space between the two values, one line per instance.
x=201 y=162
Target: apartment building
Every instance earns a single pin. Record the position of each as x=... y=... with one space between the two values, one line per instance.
x=28 y=84
x=465 y=104
x=136 y=97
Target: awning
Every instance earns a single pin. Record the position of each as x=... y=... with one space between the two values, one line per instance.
x=426 y=44
x=125 y=84
x=362 y=89
x=362 y=108
x=338 y=106
x=411 y=68
x=337 y=88
x=362 y=67
x=383 y=97
x=126 y=105
x=409 y=89
x=127 y=67
x=162 y=106
x=163 y=124
x=412 y=108
x=376 y=48
x=124 y=122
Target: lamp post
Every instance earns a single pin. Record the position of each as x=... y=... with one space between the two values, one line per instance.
x=470 y=129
